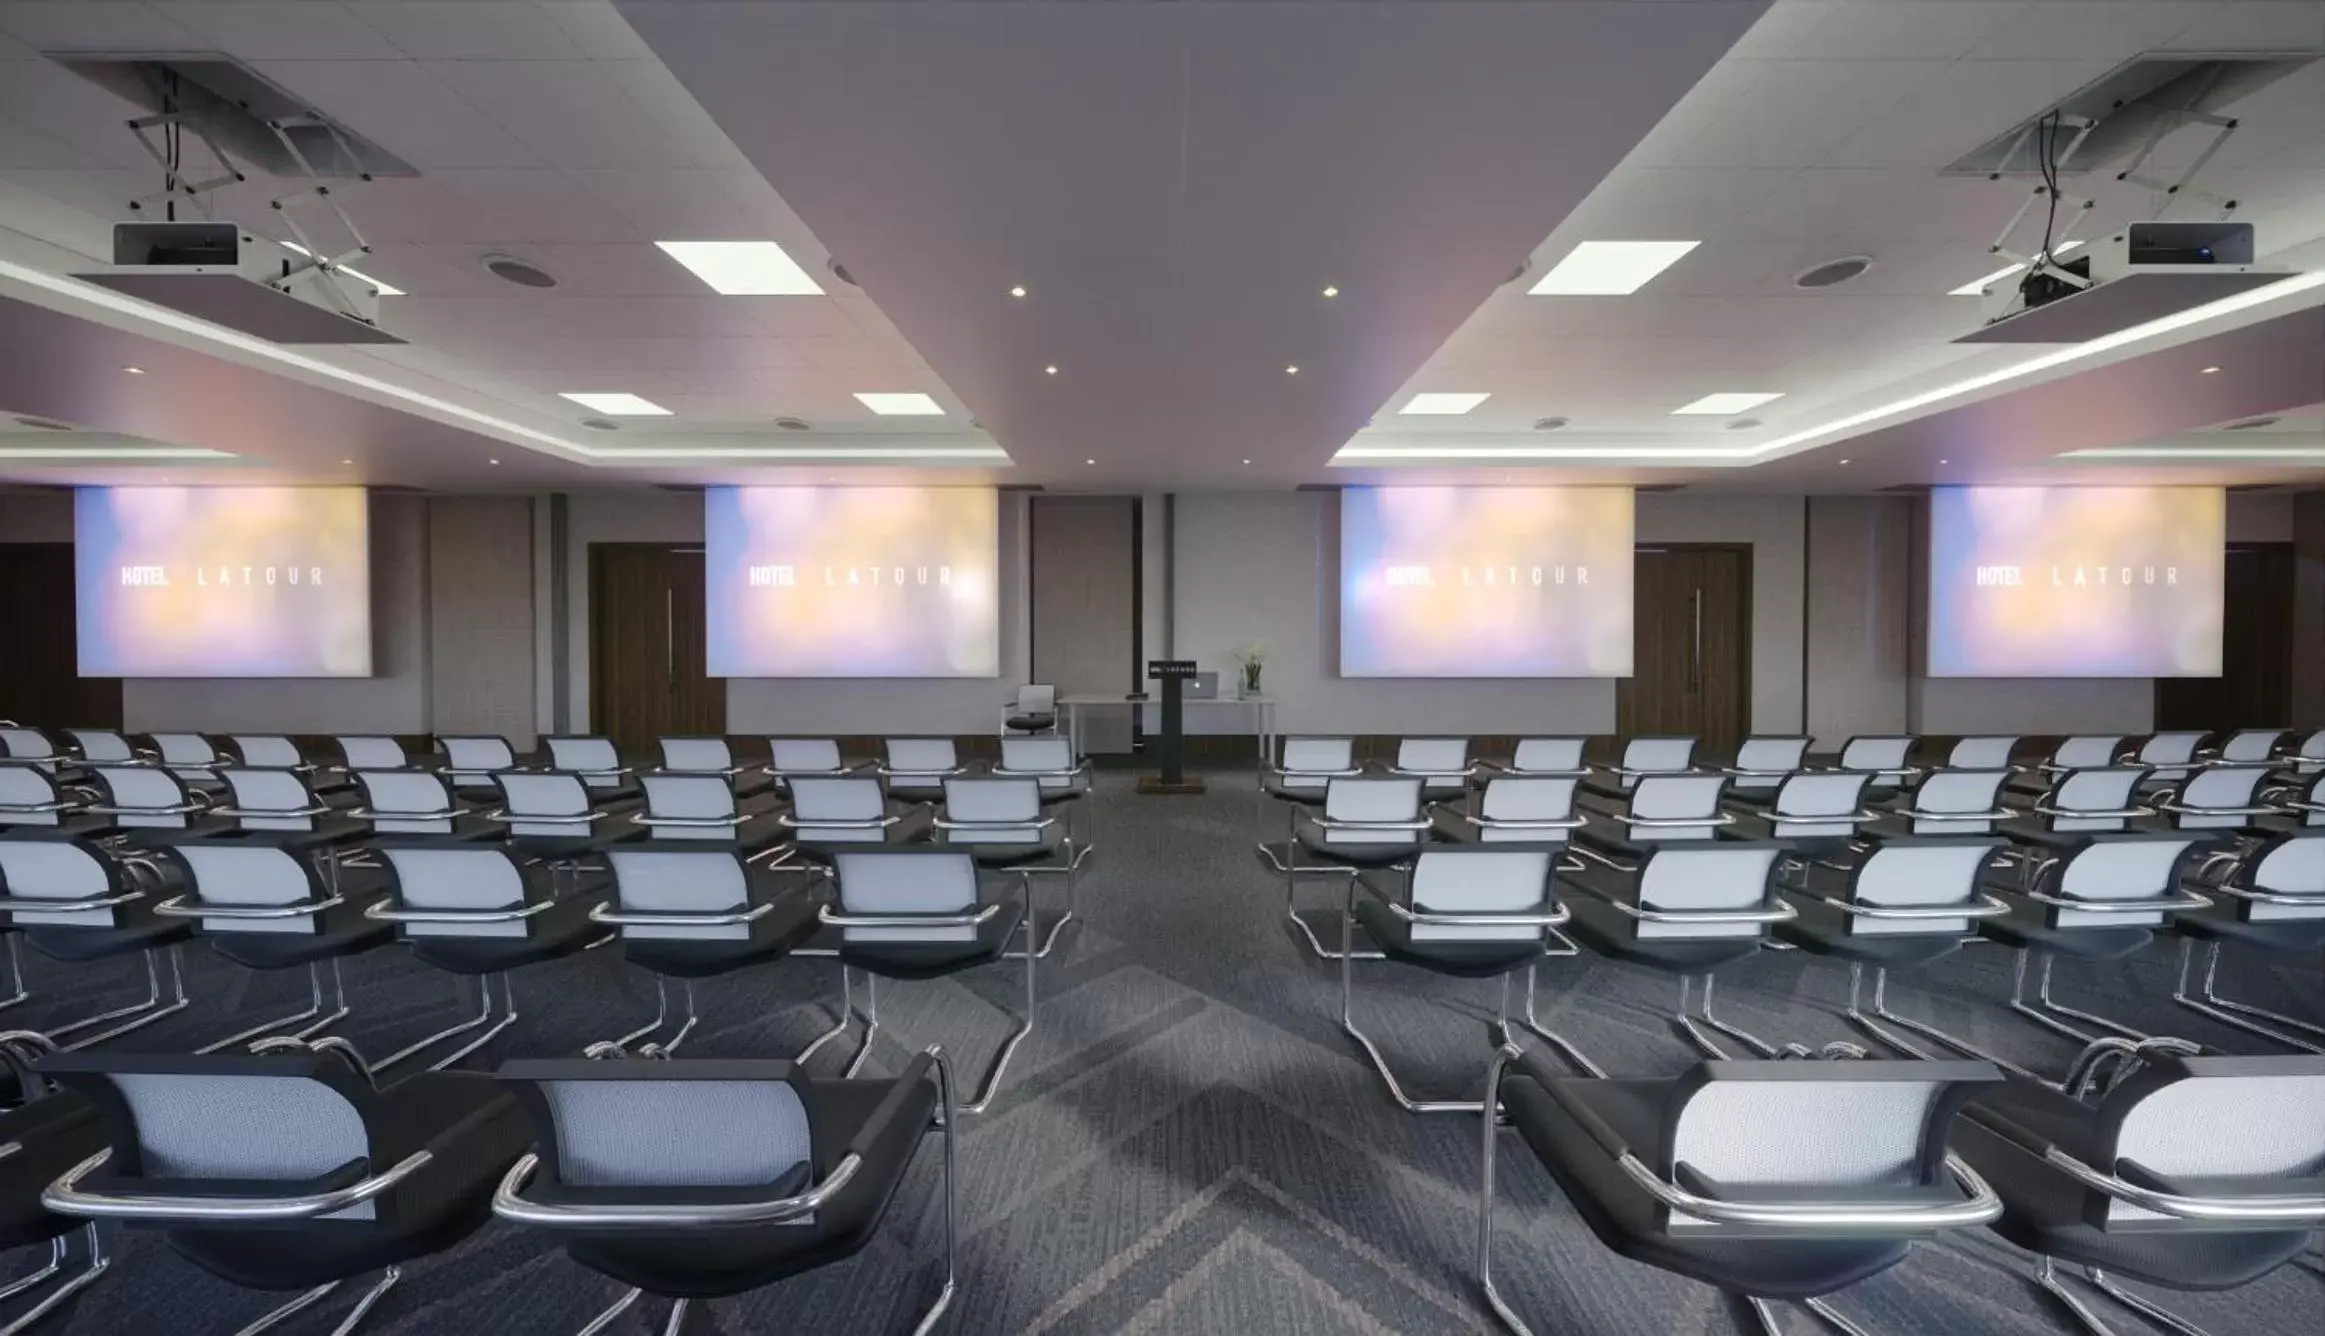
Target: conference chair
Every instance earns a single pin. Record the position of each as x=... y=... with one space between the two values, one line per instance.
x=471 y=761
x=1711 y=1175
x=102 y=746
x=595 y=759
x=1519 y=810
x=2169 y=757
x=2190 y=1173
x=1000 y=820
x=2273 y=900
x=1364 y=822
x=1949 y=801
x=554 y=814
x=915 y=768
x=2082 y=751
x=712 y=756
x=31 y=797
x=477 y=910
x=1687 y=908
x=2225 y=798
x=831 y=812
x=415 y=802
x=688 y=910
x=1817 y=811
x=1650 y=755
x=2304 y=802
x=1297 y=777
x=1909 y=902
x=290 y=1170
x=370 y=751
x=1886 y=757
x=1460 y=913
x=33 y=746
x=1064 y=778
x=920 y=913
x=47 y=1132
x=2079 y=803
x=1443 y=765
x=1033 y=710
x=144 y=797
x=263 y=905
x=76 y=904
x=2250 y=746
x=1762 y=763
x=812 y=757
x=2308 y=756
x=192 y=757
x=778 y=1172
x=704 y=807
x=1656 y=809
x=1985 y=752
x=283 y=801
x=270 y=751
x=1550 y=757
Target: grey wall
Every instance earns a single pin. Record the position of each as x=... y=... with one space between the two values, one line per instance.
x=2308 y=538
x=1858 y=644
x=35 y=516
x=481 y=579
x=637 y=515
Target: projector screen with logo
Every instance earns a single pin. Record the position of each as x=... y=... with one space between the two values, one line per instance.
x=2076 y=581
x=1485 y=582
x=853 y=581
x=222 y=581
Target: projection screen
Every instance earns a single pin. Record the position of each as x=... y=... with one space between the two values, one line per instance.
x=1485 y=582
x=222 y=581
x=853 y=581
x=2076 y=581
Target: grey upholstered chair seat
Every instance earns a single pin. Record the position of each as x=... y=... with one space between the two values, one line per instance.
x=1607 y=931
x=1823 y=929
x=2221 y=923
x=2024 y=927
x=932 y=959
x=791 y=924
x=341 y=931
x=1461 y=959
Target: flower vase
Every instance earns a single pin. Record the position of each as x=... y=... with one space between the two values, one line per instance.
x=1250 y=680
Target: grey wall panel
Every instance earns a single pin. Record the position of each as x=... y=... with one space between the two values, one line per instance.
x=480 y=616
x=1084 y=584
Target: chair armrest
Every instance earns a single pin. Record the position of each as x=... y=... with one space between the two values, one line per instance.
x=2092 y=813
x=17 y=904
x=176 y=907
x=791 y=821
x=828 y=915
x=310 y=811
x=509 y=1203
x=1673 y=822
x=1987 y=906
x=649 y=820
x=385 y=911
x=1977 y=1205
x=67 y=1197
x=1536 y=1064
x=503 y=816
x=2265 y=897
x=892 y=1104
x=2302 y=1207
x=608 y=913
x=2152 y=905
x=949 y=823
x=1505 y=823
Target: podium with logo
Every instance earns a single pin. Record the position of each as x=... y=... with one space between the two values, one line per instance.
x=1169 y=744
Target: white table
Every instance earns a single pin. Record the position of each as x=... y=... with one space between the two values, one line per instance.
x=1261 y=709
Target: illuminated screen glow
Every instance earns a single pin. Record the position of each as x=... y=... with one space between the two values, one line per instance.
x=222 y=581
x=2076 y=581
x=1485 y=582
x=853 y=581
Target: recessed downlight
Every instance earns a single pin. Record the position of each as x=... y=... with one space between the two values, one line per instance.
x=1743 y=424
x=601 y=424
x=1050 y=370
x=1550 y=423
x=1832 y=272
x=2249 y=423
x=1292 y=369
x=1331 y=290
x=2209 y=371
x=134 y=370
x=790 y=424
x=1017 y=290
x=43 y=424
x=523 y=273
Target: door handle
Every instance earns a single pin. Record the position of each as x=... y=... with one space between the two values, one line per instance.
x=670 y=639
x=1695 y=645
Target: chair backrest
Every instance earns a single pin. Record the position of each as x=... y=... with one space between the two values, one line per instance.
x=1005 y=809
x=1549 y=755
x=270 y=799
x=1043 y=753
x=545 y=802
x=1656 y=755
x=835 y=809
x=2312 y=793
x=596 y=760
x=1919 y=873
x=1964 y=798
x=2309 y=755
x=936 y=882
x=921 y=756
x=2110 y=789
x=2170 y=754
x=267 y=751
x=1772 y=757
x=1434 y=756
x=1373 y=798
x=144 y=796
x=1991 y=752
x=101 y=746
x=472 y=760
x=1878 y=1124
x=466 y=875
x=804 y=756
x=2251 y=745
x=1037 y=698
x=1706 y=876
x=241 y=1122
x=367 y=751
x=2123 y=866
x=1881 y=754
x=2087 y=751
x=2211 y=1119
x=1482 y=882
x=1819 y=806
x=25 y=790
x=18 y=743
x=1310 y=763
x=690 y=807
x=1526 y=798
x=697 y=756
x=63 y=870
x=655 y=878
x=190 y=750
x=1680 y=799
x=606 y=1125
x=2292 y=863
x=407 y=802
x=250 y=875
x=2223 y=787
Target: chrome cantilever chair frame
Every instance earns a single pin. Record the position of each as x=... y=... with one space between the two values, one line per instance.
x=1293 y=869
x=1776 y=911
x=156 y=1006
x=991 y=1085
x=1070 y=869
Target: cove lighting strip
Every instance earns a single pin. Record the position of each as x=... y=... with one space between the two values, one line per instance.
x=517 y=433
x=2194 y=452
x=2106 y=343
x=63 y=455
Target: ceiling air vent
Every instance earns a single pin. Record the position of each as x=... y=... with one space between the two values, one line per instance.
x=601 y=424
x=237 y=108
x=2250 y=423
x=2129 y=104
x=43 y=424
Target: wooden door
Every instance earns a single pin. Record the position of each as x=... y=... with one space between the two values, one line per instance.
x=648 y=675
x=2255 y=686
x=1085 y=593
x=40 y=682
x=1691 y=671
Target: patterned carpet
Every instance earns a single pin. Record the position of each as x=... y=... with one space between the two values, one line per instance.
x=1188 y=1144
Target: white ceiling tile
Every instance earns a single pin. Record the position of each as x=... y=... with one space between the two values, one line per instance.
x=1799 y=110
x=598 y=29
x=2255 y=25
x=61 y=104
x=1959 y=105
x=407 y=110
x=536 y=207
x=79 y=25
x=283 y=29
x=657 y=92
x=469 y=321
x=11 y=49
x=671 y=203
x=1648 y=203
x=24 y=148
x=1921 y=30
x=797 y=317
x=567 y=111
x=849 y=352
x=2108 y=30
x=655 y=317
x=420 y=209
x=468 y=29
x=619 y=269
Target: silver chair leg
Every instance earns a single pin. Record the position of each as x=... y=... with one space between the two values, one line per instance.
x=1575 y=1057
x=669 y=1048
x=991 y=1085
x=1379 y=1063
x=945 y=1096
x=1289 y=865
x=1773 y=1326
x=1881 y=1011
x=483 y=1017
x=871 y=1023
x=139 y=1014
x=2213 y=1005
x=1749 y=1040
x=59 y=1249
x=314 y=1020
x=677 y=1322
x=348 y=1324
x=847 y=1016
x=1502 y=1058
x=16 y=991
x=611 y=1314
x=1880 y=1033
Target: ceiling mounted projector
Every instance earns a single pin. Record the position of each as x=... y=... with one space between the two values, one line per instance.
x=2144 y=272
x=220 y=273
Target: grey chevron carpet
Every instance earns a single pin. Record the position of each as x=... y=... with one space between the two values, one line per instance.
x=1188 y=1143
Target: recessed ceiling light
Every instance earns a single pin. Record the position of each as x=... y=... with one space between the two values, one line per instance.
x=1292 y=370
x=1609 y=268
x=1441 y=404
x=743 y=268
x=492 y=461
x=1331 y=291
x=1724 y=404
x=523 y=273
x=346 y=461
x=1941 y=461
x=134 y=370
x=1977 y=287
x=1089 y=461
x=385 y=290
x=1832 y=272
x=2208 y=371
x=616 y=404
x=1017 y=291
x=1246 y=461
x=2250 y=423
x=1844 y=461
x=1549 y=423
x=1050 y=370
x=901 y=405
